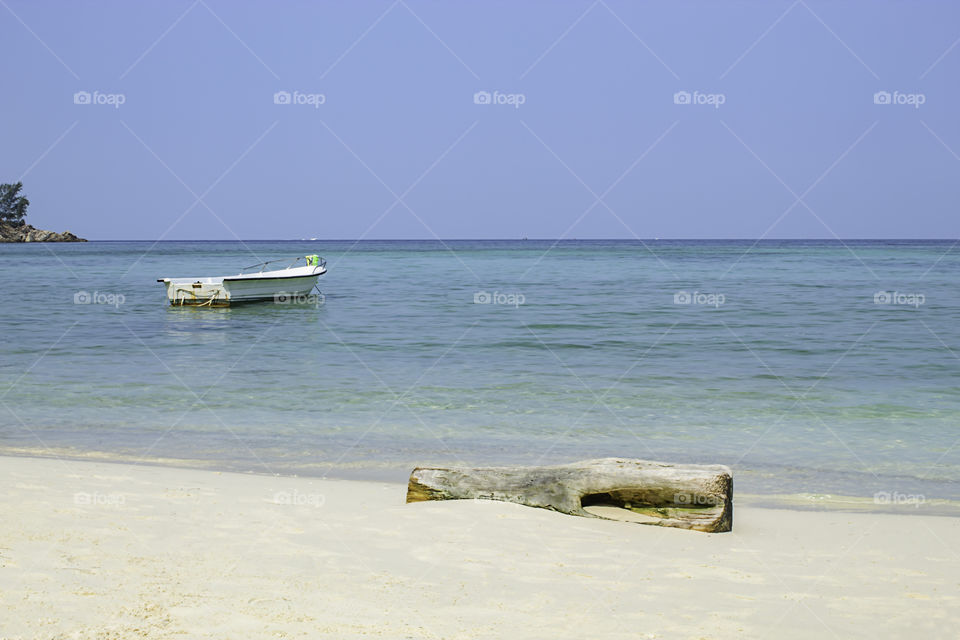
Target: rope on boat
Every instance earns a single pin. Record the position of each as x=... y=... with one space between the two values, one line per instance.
x=181 y=298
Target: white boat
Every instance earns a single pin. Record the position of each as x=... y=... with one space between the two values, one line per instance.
x=290 y=284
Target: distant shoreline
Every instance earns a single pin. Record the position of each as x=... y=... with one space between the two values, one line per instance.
x=799 y=501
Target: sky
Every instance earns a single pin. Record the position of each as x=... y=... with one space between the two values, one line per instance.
x=395 y=119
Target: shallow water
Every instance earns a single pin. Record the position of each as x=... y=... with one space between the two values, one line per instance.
x=782 y=366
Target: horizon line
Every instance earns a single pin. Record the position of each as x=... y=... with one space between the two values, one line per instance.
x=520 y=240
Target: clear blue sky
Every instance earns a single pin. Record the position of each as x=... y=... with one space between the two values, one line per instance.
x=597 y=81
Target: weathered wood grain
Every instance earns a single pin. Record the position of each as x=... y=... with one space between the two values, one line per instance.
x=698 y=497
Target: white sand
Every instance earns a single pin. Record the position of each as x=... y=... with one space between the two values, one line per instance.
x=99 y=550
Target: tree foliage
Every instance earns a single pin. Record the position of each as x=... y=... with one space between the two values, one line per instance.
x=13 y=206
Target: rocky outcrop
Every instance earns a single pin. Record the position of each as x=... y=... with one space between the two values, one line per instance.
x=27 y=233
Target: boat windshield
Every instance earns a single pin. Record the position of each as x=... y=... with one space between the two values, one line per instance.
x=308 y=261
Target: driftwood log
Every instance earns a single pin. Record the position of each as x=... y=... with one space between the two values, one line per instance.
x=698 y=497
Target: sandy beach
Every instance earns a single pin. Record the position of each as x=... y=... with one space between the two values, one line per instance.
x=101 y=550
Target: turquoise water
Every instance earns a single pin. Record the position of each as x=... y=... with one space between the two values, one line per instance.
x=789 y=371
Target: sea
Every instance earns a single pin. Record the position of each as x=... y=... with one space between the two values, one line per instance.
x=813 y=369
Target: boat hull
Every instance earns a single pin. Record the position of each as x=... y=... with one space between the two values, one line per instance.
x=262 y=289
x=283 y=286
